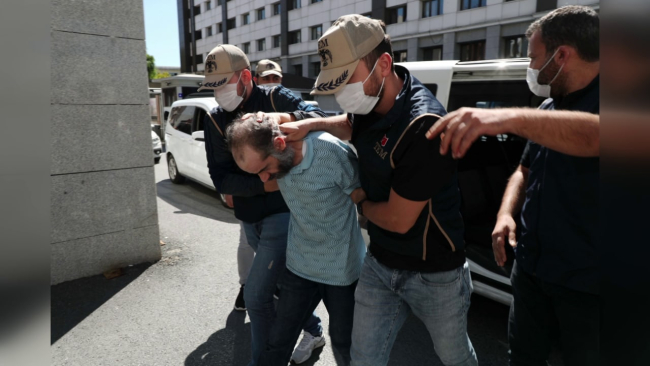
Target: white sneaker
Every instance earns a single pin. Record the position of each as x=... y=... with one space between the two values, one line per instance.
x=306 y=346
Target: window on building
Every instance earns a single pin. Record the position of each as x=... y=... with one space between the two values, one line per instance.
x=276 y=41
x=471 y=4
x=208 y=5
x=261 y=13
x=314 y=69
x=472 y=51
x=198 y=35
x=316 y=1
x=246 y=47
x=294 y=4
x=294 y=37
x=219 y=27
x=261 y=44
x=432 y=53
x=231 y=24
x=246 y=19
x=197 y=10
x=208 y=31
x=297 y=69
x=431 y=8
x=199 y=59
x=316 y=32
x=276 y=8
x=396 y=15
x=515 y=47
x=399 y=56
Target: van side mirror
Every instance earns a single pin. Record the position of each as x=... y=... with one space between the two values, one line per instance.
x=198 y=136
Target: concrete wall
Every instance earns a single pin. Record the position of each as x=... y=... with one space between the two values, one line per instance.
x=103 y=195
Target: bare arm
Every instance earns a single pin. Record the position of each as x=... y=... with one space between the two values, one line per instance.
x=513 y=200
x=397 y=214
x=569 y=132
x=338 y=126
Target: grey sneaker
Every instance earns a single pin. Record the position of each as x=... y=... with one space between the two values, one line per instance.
x=306 y=346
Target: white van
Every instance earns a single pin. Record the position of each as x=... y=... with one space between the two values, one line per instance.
x=484 y=171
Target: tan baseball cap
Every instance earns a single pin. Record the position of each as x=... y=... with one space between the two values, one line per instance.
x=268 y=67
x=221 y=64
x=346 y=42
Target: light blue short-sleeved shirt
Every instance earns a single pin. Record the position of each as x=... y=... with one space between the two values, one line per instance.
x=325 y=243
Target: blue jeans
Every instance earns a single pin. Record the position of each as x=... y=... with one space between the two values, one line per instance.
x=268 y=238
x=384 y=299
x=299 y=298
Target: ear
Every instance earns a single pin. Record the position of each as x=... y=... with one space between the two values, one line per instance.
x=564 y=54
x=385 y=62
x=246 y=76
x=279 y=143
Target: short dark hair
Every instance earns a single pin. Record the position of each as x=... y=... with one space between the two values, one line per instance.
x=384 y=47
x=573 y=25
x=258 y=135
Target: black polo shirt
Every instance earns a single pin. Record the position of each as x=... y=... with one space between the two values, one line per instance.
x=394 y=154
x=559 y=234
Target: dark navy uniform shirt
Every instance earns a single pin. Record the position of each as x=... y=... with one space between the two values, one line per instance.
x=252 y=204
x=559 y=235
x=394 y=154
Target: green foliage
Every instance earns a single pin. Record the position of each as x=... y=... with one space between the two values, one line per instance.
x=151 y=67
x=160 y=75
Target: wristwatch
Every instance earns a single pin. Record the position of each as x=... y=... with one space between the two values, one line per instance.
x=360 y=206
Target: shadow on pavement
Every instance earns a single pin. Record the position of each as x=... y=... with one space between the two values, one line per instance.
x=193 y=198
x=230 y=346
x=73 y=301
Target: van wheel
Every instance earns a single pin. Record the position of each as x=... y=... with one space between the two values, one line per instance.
x=172 y=168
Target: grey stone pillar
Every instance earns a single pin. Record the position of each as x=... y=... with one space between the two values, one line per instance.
x=412 y=49
x=103 y=195
x=305 y=66
x=448 y=46
x=492 y=42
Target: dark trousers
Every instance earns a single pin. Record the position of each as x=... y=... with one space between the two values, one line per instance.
x=298 y=299
x=542 y=312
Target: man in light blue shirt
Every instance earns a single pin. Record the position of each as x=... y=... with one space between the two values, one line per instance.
x=318 y=178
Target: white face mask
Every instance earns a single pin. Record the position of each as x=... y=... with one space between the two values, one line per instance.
x=271 y=85
x=543 y=91
x=354 y=100
x=227 y=97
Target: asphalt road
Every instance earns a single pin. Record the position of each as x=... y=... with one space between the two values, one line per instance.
x=179 y=311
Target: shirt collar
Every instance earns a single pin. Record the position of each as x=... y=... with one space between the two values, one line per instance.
x=571 y=98
x=307 y=156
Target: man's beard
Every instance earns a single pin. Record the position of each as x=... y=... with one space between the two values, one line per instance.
x=558 y=87
x=285 y=162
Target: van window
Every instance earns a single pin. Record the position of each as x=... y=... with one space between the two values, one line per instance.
x=492 y=94
x=198 y=121
x=433 y=88
x=183 y=122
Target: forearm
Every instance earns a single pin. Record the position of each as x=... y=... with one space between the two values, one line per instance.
x=338 y=126
x=513 y=197
x=380 y=214
x=568 y=132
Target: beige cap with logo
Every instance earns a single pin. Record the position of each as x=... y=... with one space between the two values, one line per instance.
x=268 y=67
x=221 y=64
x=346 y=42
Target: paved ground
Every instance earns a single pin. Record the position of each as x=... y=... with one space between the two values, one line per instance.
x=178 y=311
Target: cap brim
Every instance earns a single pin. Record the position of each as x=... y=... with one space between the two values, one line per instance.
x=332 y=80
x=269 y=72
x=215 y=81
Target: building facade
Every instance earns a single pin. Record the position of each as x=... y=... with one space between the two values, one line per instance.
x=287 y=30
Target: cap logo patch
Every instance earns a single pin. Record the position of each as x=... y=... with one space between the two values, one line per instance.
x=215 y=84
x=323 y=52
x=270 y=66
x=211 y=66
x=333 y=84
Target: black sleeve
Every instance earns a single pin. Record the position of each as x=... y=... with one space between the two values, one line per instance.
x=525 y=157
x=419 y=170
